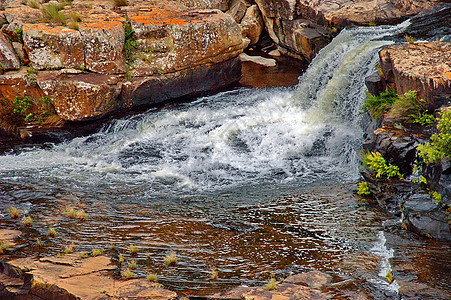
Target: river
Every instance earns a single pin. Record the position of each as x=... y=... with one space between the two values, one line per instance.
x=253 y=182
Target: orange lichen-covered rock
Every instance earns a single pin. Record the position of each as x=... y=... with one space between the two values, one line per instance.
x=53 y=47
x=81 y=96
x=168 y=40
x=104 y=47
x=19 y=84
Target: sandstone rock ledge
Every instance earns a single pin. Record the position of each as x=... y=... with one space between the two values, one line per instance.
x=69 y=278
x=113 y=58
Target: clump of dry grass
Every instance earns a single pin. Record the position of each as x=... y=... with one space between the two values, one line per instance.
x=52 y=232
x=152 y=277
x=128 y=274
x=171 y=259
x=27 y=221
x=14 y=212
x=133 y=249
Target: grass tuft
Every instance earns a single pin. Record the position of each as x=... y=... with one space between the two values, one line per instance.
x=51 y=13
x=132 y=264
x=152 y=277
x=133 y=249
x=14 y=212
x=69 y=249
x=34 y=4
x=4 y=247
x=80 y=215
x=27 y=221
x=128 y=274
x=214 y=274
x=171 y=259
x=120 y=260
x=97 y=252
x=271 y=285
x=52 y=232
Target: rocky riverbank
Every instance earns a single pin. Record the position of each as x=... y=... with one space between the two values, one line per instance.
x=422 y=196
x=80 y=61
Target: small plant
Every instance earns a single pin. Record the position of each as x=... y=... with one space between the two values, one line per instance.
x=69 y=249
x=363 y=188
x=4 y=247
x=410 y=108
x=171 y=259
x=74 y=17
x=271 y=285
x=97 y=252
x=214 y=274
x=14 y=212
x=389 y=277
x=51 y=13
x=133 y=249
x=27 y=221
x=80 y=215
x=130 y=44
x=39 y=243
x=377 y=163
x=152 y=277
x=423 y=180
x=18 y=32
x=52 y=232
x=69 y=212
x=128 y=274
x=83 y=255
x=132 y=264
x=440 y=145
x=22 y=106
x=34 y=4
x=436 y=196
x=378 y=105
x=120 y=260
x=410 y=39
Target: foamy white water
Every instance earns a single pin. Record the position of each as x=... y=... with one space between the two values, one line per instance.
x=305 y=133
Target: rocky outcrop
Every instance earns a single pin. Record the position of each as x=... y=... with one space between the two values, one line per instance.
x=425 y=68
x=71 y=277
x=115 y=58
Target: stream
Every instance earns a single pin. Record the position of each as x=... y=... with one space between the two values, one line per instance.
x=252 y=182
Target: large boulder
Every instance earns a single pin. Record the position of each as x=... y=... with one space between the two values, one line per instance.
x=207 y=4
x=423 y=67
x=169 y=40
x=53 y=47
x=81 y=96
x=252 y=24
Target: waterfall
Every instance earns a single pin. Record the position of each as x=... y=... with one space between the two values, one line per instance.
x=301 y=134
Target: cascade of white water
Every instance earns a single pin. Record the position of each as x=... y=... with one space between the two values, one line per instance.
x=304 y=133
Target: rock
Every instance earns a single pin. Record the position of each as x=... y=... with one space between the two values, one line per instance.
x=156 y=89
x=285 y=291
x=83 y=96
x=313 y=279
x=207 y=4
x=423 y=216
x=237 y=10
x=423 y=67
x=8 y=237
x=8 y=57
x=267 y=62
x=53 y=47
x=170 y=40
x=103 y=44
x=252 y=24
x=73 y=278
x=19 y=83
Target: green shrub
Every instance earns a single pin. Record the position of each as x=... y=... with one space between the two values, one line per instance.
x=377 y=163
x=410 y=108
x=378 y=105
x=440 y=145
x=437 y=196
x=363 y=188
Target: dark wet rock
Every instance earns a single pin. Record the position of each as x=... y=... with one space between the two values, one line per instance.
x=70 y=277
x=423 y=215
x=374 y=84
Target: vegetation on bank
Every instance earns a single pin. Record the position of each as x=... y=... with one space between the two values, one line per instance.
x=407 y=108
x=440 y=145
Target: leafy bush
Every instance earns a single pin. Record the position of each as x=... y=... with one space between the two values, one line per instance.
x=363 y=188
x=440 y=145
x=378 y=105
x=377 y=163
